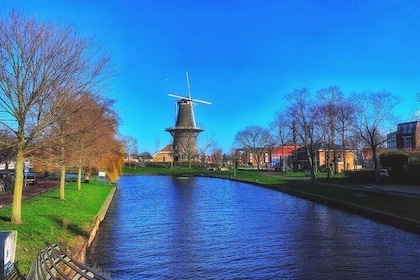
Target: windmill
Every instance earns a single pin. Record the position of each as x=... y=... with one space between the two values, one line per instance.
x=185 y=131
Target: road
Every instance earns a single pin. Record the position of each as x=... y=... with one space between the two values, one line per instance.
x=42 y=186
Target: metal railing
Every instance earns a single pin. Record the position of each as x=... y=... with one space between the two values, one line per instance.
x=54 y=263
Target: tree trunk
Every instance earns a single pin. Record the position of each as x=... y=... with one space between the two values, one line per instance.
x=18 y=188
x=328 y=163
x=63 y=169
x=375 y=163
x=62 y=182
x=335 y=161
x=344 y=150
x=312 y=163
x=79 y=178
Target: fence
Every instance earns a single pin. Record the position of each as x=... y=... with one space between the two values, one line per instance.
x=54 y=263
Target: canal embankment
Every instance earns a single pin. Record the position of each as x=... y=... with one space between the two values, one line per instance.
x=81 y=253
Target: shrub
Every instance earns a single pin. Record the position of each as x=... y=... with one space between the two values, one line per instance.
x=413 y=173
x=396 y=162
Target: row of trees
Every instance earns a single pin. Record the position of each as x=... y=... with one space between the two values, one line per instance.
x=51 y=112
x=326 y=117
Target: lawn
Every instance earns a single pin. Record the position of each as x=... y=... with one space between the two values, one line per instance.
x=47 y=220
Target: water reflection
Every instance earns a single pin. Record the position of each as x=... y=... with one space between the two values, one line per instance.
x=166 y=228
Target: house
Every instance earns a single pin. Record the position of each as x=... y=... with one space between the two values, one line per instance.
x=325 y=155
x=281 y=157
x=164 y=155
x=256 y=157
x=407 y=137
x=295 y=157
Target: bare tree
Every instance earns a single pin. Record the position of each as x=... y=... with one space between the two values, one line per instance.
x=307 y=125
x=346 y=115
x=257 y=140
x=283 y=127
x=130 y=147
x=329 y=99
x=187 y=147
x=204 y=145
x=41 y=66
x=54 y=151
x=93 y=122
x=103 y=150
x=216 y=156
x=374 y=113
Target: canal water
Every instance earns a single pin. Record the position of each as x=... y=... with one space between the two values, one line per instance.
x=162 y=227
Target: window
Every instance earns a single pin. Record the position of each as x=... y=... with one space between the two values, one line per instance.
x=406 y=142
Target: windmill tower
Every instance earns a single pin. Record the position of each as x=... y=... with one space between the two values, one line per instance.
x=185 y=131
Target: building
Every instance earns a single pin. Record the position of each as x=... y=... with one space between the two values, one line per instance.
x=391 y=141
x=185 y=131
x=295 y=158
x=254 y=158
x=281 y=157
x=323 y=157
x=407 y=137
x=164 y=155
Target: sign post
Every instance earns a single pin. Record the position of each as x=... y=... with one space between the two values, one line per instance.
x=102 y=176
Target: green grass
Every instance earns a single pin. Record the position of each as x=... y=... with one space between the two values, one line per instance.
x=47 y=220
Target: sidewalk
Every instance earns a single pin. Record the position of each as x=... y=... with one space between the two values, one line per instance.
x=6 y=199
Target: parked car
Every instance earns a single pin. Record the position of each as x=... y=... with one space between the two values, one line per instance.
x=383 y=173
x=30 y=179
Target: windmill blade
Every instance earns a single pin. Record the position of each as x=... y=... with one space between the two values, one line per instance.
x=178 y=96
x=201 y=101
x=188 y=85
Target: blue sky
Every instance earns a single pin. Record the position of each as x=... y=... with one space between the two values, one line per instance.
x=243 y=56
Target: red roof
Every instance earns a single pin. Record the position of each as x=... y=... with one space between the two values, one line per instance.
x=167 y=148
x=287 y=150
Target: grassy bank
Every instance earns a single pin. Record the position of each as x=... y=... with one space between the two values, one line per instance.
x=47 y=220
x=295 y=183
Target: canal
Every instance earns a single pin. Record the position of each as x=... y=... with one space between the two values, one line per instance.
x=161 y=227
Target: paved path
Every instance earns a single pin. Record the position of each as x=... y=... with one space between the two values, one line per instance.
x=6 y=199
